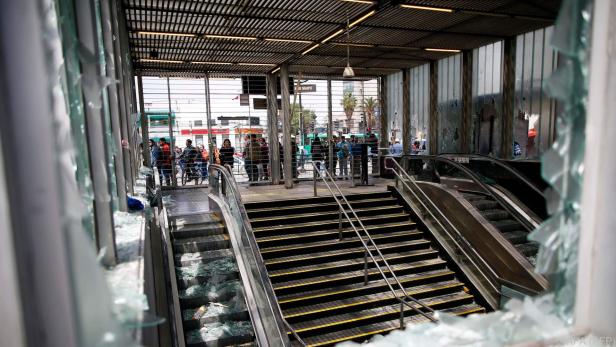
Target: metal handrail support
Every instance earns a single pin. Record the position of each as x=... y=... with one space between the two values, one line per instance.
x=368 y=253
x=458 y=235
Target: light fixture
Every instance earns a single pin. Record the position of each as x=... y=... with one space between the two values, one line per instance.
x=276 y=70
x=361 y=19
x=310 y=49
x=226 y=37
x=211 y=63
x=338 y=32
x=348 y=70
x=352 y=44
x=255 y=64
x=442 y=50
x=165 y=34
x=287 y=40
x=400 y=47
x=368 y=2
x=145 y=60
x=427 y=8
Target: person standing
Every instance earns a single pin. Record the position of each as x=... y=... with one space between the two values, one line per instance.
x=373 y=148
x=343 y=156
x=189 y=156
x=264 y=159
x=252 y=154
x=202 y=160
x=165 y=161
x=355 y=157
x=155 y=154
x=316 y=151
x=396 y=148
x=226 y=153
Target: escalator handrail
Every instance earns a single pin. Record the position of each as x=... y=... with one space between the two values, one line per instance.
x=214 y=171
x=491 y=276
x=432 y=318
x=518 y=175
x=477 y=180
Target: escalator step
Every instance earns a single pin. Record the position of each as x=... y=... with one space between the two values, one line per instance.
x=485 y=204
x=200 y=244
x=185 y=259
x=495 y=214
x=516 y=237
x=506 y=225
x=528 y=249
x=200 y=230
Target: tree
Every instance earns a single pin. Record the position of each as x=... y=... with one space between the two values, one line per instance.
x=309 y=117
x=369 y=107
x=349 y=102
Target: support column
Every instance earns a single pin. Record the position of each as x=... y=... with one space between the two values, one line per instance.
x=286 y=125
x=406 y=111
x=506 y=149
x=467 y=100
x=170 y=120
x=384 y=116
x=114 y=108
x=124 y=114
x=330 y=127
x=433 y=97
x=143 y=120
x=272 y=127
x=208 y=115
x=103 y=214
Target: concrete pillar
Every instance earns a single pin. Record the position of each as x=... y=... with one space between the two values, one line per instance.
x=433 y=117
x=114 y=108
x=272 y=127
x=467 y=101
x=384 y=118
x=330 y=126
x=143 y=120
x=508 y=110
x=208 y=115
x=286 y=125
x=406 y=111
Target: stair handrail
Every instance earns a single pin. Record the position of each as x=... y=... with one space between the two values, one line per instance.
x=229 y=183
x=520 y=176
x=367 y=252
x=477 y=180
x=491 y=276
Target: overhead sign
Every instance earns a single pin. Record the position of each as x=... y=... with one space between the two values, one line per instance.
x=306 y=88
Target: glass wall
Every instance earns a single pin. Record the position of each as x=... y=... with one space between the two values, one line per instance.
x=534 y=115
x=420 y=107
x=449 y=104
x=487 y=80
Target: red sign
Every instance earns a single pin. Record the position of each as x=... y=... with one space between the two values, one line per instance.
x=187 y=132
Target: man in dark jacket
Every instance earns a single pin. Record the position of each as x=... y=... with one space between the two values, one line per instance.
x=264 y=158
x=252 y=156
x=155 y=159
x=317 y=152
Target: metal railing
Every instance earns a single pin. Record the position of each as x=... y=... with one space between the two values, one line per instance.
x=471 y=256
x=368 y=253
x=270 y=326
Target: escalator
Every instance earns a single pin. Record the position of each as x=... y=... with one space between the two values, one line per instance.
x=316 y=264
x=207 y=278
x=492 y=220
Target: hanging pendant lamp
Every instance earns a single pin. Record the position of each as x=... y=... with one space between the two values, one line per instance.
x=348 y=70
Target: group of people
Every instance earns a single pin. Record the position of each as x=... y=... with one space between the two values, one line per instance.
x=192 y=161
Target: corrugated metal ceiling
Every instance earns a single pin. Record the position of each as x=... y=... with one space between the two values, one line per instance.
x=397 y=35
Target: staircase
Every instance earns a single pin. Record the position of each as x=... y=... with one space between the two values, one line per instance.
x=319 y=280
x=207 y=275
x=502 y=220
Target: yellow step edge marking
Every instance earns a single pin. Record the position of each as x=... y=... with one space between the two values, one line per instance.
x=335 y=232
x=356 y=289
x=429 y=304
x=338 y=242
x=347 y=251
x=322 y=204
x=348 y=264
x=365 y=218
x=352 y=337
x=389 y=296
x=320 y=214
